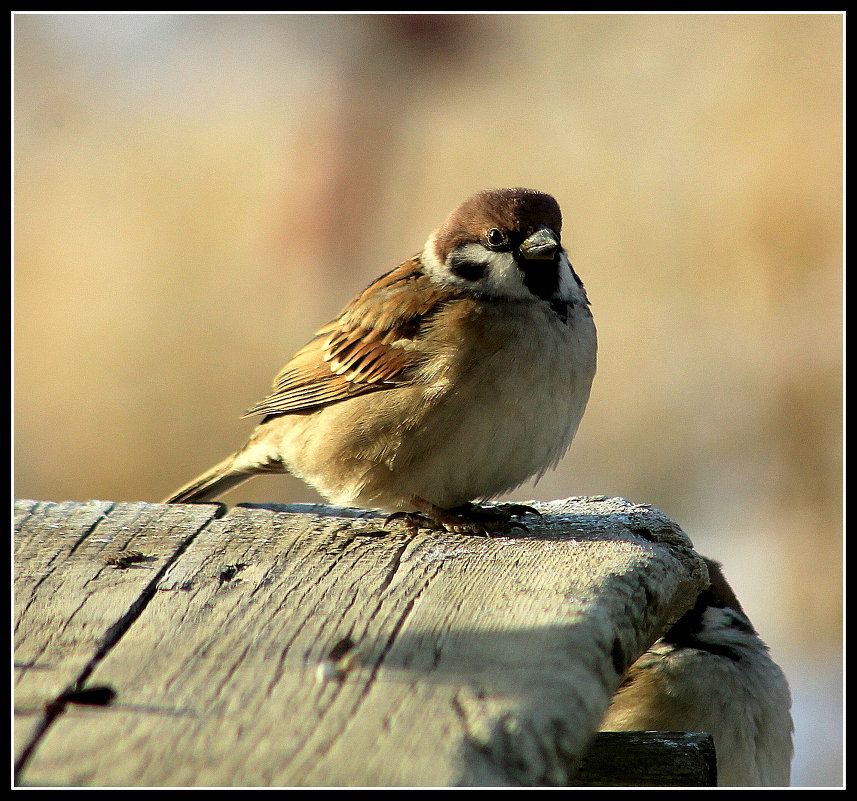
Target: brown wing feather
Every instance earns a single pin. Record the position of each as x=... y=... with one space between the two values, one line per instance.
x=369 y=346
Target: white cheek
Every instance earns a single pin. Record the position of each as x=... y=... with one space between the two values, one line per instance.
x=503 y=278
x=433 y=265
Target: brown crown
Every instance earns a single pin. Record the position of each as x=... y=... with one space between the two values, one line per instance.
x=521 y=210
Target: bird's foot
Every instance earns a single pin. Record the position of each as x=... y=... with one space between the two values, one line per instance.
x=469 y=518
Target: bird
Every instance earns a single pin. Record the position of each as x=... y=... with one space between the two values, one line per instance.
x=451 y=379
x=711 y=672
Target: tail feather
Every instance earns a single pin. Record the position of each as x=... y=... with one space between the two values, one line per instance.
x=212 y=483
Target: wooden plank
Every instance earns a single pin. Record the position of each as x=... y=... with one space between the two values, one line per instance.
x=649 y=759
x=72 y=594
x=458 y=660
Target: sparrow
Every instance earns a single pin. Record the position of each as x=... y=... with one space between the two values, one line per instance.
x=712 y=673
x=449 y=380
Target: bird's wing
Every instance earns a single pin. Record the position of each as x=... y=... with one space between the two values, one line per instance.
x=372 y=345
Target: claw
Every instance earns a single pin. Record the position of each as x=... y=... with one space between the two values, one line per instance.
x=414 y=521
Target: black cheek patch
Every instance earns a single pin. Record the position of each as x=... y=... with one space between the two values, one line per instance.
x=466 y=268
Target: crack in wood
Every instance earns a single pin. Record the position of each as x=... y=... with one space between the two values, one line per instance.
x=55 y=707
x=405 y=613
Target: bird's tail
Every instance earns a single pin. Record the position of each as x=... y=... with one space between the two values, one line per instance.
x=212 y=483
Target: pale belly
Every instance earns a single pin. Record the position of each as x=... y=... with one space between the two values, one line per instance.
x=508 y=416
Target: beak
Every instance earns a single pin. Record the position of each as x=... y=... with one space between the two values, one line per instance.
x=543 y=244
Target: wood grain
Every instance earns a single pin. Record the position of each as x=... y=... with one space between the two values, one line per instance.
x=311 y=646
x=71 y=603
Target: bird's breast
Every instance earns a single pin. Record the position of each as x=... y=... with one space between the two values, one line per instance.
x=510 y=386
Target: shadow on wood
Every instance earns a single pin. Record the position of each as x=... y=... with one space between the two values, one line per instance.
x=310 y=646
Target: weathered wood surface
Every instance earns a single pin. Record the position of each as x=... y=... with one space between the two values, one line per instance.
x=457 y=660
x=648 y=759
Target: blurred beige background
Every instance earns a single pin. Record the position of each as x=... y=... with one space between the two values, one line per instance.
x=195 y=194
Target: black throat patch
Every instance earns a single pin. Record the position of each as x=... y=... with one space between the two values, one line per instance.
x=541 y=277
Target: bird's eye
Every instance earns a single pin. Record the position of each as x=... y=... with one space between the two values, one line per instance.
x=495 y=238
